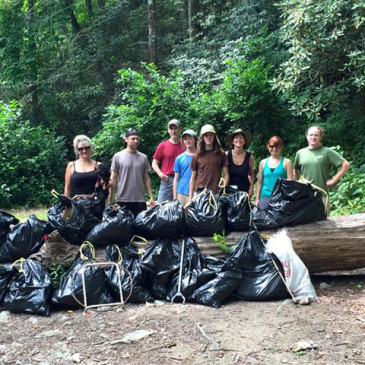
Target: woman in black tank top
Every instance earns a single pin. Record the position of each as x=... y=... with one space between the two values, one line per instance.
x=240 y=162
x=82 y=178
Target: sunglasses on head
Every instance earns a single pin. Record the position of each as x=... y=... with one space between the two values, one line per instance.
x=86 y=148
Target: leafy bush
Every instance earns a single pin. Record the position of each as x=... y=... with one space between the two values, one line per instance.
x=348 y=198
x=31 y=160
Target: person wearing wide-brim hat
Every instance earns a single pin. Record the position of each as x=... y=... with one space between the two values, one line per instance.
x=240 y=161
x=209 y=162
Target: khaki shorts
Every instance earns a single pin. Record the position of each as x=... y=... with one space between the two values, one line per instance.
x=183 y=199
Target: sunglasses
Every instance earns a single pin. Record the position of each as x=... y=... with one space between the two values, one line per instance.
x=83 y=148
x=272 y=147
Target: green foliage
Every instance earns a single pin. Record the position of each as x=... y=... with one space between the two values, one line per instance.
x=30 y=160
x=56 y=271
x=222 y=244
x=348 y=197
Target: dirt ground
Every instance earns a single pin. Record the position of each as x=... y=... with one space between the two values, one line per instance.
x=237 y=333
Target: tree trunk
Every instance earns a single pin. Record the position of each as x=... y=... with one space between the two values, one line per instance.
x=75 y=24
x=193 y=8
x=335 y=244
x=152 y=52
x=33 y=65
x=89 y=6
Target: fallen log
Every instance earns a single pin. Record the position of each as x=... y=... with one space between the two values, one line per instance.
x=335 y=244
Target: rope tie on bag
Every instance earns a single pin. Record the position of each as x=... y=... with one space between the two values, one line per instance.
x=140 y=244
x=303 y=180
x=92 y=250
x=120 y=256
x=20 y=262
x=54 y=193
x=222 y=185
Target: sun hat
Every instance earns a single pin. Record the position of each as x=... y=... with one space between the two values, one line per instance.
x=246 y=134
x=209 y=128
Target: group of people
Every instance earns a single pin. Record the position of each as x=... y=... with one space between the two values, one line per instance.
x=185 y=162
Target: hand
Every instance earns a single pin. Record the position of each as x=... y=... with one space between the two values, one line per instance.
x=164 y=178
x=152 y=202
x=257 y=202
x=187 y=204
x=330 y=183
x=250 y=192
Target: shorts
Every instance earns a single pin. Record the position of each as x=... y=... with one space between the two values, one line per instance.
x=165 y=192
x=134 y=207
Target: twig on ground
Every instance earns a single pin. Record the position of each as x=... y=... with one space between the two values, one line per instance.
x=213 y=342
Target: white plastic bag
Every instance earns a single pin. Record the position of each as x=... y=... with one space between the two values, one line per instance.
x=296 y=274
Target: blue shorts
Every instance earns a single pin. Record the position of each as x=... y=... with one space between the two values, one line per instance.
x=165 y=192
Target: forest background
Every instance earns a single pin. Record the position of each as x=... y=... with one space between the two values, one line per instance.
x=98 y=67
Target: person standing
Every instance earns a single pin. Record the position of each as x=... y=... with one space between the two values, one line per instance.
x=240 y=162
x=315 y=162
x=164 y=160
x=270 y=170
x=208 y=163
x=182 y=167
x=129 y=176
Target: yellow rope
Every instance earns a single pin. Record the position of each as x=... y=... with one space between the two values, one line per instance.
x=120 y=256
x=92 y=250
x=143 y=241
x=20 y=262
x=54 y=193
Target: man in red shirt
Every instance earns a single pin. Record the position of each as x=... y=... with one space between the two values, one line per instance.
x=164 y=159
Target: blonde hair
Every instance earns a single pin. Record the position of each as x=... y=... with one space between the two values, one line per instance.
x=78 y=139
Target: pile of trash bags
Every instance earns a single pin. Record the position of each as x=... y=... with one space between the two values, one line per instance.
x=167 y=270
x=253 y=271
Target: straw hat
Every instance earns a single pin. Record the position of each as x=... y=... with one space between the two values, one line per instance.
x=246 y=134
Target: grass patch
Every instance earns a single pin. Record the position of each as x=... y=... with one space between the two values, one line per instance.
x=23 y=214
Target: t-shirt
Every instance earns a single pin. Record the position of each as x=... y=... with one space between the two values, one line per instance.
x=182 y=167
x=315 y=164
x=208 y=169
x=166 y=153
x=130 y=167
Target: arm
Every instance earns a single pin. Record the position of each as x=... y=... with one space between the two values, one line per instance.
x=191 y=187
x=251 y=177
x=345 y=165
x=289 y=169
x=174 y=185
x=225 y=175
x=113 y=184
x=259 y=182
x=157 y=170
x=68 y=174
x=147 y=182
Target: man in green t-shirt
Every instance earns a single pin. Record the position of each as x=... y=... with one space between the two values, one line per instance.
x=315 y=162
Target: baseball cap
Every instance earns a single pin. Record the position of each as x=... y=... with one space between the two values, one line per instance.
x=132 y=132
x=190 y=132
x=174 y=122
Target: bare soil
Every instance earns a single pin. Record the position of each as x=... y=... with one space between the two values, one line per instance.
x=237 y=333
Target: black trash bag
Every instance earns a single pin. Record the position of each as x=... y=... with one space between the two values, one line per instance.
x=218 y=290
x=260 y=276
x=27 y=238
x=132 y=279
x=204 y=216
x=69 y=218
x=70 y=294
x=237 y=209
x=30 y=289
x=294 y=202
x=164 y=220
x=261 y=219
x=162 y=260
x=198 y=269
x=6 y=220
x=6 y=274
x=117 y=227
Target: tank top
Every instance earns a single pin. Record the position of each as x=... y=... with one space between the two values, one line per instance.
x=238 y=174
x=83 y=182
x=271 y=175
